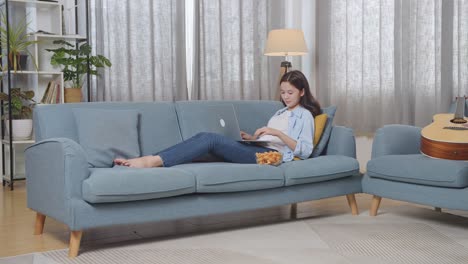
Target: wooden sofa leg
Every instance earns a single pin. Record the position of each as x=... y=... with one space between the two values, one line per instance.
x=75 y=240
x=352 y=204
x=375 y=205
x=39 y=226
x=294 y=211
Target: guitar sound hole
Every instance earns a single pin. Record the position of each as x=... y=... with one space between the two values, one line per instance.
x=458 y=120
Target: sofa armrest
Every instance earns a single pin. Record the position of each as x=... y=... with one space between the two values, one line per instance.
x=55 y=170
x=396 y=140
x=342 y=142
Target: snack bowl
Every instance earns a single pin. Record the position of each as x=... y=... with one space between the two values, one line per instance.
x=274 y=158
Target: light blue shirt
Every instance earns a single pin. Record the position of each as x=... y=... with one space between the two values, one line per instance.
x=301 y=129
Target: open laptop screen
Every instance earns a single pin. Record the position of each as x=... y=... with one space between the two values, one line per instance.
x=216 y=118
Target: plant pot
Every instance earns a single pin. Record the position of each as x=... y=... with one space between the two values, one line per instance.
x=22 y=128
x=21 y=62
x=73 y=95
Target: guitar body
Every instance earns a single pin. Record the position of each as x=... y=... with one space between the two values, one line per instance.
x=444 y=139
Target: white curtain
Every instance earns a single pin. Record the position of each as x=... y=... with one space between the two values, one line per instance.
x=300 y=14
x=391 y=61
x=145 y=41
x=230 y=36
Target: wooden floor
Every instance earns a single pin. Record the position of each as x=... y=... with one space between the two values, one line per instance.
x=17 y=223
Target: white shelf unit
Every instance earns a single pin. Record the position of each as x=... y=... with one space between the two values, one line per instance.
x=18 y=159
x=46 y=23
x=41 y=15
x=42 y=57
x=37 y=81
x=30 y=141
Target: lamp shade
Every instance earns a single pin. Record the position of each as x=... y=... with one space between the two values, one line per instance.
x=285 y=42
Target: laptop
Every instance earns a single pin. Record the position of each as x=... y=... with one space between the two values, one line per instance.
x=220 y=119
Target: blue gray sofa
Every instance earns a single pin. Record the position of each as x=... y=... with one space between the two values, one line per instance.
x=71 y=179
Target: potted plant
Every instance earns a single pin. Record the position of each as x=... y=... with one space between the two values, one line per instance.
x=74 y=62
x=21 y=112
x=18 y=42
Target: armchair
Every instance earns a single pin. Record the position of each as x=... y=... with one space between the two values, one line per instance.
x=397 y=170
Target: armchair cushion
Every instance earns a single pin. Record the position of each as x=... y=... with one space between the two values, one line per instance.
x=419 y=169
x=107 y=134
x=396 y=140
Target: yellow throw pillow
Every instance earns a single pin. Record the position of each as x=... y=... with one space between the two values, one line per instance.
x=320 y=122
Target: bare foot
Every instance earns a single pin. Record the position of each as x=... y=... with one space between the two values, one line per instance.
x=141 y=162
x=121 y=162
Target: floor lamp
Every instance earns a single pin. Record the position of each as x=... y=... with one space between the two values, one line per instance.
x=285 y=42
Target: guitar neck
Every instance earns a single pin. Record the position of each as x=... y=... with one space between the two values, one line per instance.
x=460 y=108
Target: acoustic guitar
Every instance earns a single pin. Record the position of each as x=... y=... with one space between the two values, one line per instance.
x=447 y=136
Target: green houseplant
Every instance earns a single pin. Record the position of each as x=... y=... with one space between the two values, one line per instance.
x=18 y=41
x=74 y=62
x=22 y=104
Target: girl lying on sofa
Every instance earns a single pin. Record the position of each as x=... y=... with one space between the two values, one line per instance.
x=290 y=131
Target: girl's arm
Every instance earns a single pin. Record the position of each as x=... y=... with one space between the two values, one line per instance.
x=304 y=144
x=291 y=143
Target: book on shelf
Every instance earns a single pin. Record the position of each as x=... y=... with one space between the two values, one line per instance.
x=46 y=93
x=51 y=94
x=57 y=97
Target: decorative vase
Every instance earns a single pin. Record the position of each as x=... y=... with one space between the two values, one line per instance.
x=73 y=95
x=22 y=128
x=17 y=62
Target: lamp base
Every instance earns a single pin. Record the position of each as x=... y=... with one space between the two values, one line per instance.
x=285 y=65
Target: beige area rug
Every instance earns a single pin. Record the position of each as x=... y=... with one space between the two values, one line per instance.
x=403 y=234
x=393 y=243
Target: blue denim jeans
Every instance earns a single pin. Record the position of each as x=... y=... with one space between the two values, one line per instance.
x=218 y=145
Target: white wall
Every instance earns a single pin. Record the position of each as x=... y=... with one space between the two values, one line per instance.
x=363 y=151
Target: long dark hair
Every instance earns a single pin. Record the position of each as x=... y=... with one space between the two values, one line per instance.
x=298 y=80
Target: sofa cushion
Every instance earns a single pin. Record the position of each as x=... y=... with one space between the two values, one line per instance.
x=321 y=146
x=419 y=169
x=157 y=122
x=319 y=169
x=120 y=184
x=218 y=177
x=107 y=134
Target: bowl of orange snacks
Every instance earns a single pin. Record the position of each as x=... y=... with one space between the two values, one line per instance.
x=269 y=158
